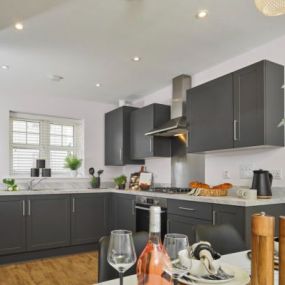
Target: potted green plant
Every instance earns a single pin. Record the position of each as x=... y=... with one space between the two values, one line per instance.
x=73 y=163
x=121 y=181
x=11 y=185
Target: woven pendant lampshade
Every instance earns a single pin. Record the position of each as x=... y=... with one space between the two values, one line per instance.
x=271 y=7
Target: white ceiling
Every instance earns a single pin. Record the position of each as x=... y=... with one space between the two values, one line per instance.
x=90 y=41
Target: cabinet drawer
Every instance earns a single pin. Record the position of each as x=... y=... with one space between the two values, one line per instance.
x=190 y=209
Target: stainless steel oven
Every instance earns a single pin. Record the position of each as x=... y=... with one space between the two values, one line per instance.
x=143 y=204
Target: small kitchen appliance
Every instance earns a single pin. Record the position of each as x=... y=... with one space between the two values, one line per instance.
x=262 y=181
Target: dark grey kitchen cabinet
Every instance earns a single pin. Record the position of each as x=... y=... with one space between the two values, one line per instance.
x=210 y=115
x=144 y=120
x=89 y=221
x=241 y=109
x=184 y=225
x=233 y=215
x=123 y=212
x=117 y=137
x=258 y=105
x=12 y=224
x=48 y=221
x=183 y=216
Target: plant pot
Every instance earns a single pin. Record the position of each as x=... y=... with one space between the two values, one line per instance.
x=122 y=186
x=73 y=173
x=96 y=184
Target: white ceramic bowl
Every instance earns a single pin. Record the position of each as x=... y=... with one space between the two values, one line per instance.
x=196 y=267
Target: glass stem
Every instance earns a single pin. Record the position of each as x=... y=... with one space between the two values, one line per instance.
x=121 y=274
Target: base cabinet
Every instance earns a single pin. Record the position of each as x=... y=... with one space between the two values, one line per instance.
x=89 y=219
x=123 y=212
x=184 y=225
x=48 y=221
x=12 y=225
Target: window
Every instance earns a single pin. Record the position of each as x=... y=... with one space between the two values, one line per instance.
x=50 y=138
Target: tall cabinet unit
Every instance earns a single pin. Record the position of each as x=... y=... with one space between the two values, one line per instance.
x=144 y=120
x=117 y=137
x=241 y=109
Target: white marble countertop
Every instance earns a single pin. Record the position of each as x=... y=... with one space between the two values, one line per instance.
x=278 y=198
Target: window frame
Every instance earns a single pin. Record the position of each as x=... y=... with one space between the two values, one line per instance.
x=44 y=145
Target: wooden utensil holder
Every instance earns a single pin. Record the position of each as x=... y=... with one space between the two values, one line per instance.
x=262 y=262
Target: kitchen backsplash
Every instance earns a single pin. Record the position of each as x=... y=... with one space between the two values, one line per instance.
x=59 y=184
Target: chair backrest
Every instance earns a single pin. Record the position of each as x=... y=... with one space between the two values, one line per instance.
x=106 y=271
x=224 y=238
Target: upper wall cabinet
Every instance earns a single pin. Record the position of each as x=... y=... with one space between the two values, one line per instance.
x=117 y=137
x=241 y=109
x=144 y=120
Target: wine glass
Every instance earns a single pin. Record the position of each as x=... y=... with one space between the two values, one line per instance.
x=121 y=251
x=173 y=244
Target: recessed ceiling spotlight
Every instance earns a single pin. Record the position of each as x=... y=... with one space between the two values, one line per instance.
x=202 y=14
x=136 y=58
x=56 y=78
x=283 y=86
x=19 y=26
x=98 y=84
x=5 y=67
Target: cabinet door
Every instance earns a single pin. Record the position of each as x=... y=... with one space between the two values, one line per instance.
x=114 y=137
x=123 y=207
x=48 y=221
x=233 y=215
x=184 y=225
x=89 y=217
x=249 y=106
x=12 y=224
x=141 y=122
x=144 y=120
x=210 y=115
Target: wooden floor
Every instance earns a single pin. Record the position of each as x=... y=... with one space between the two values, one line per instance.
x=79 y=269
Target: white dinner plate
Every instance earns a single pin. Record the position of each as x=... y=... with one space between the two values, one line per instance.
x=241 y=277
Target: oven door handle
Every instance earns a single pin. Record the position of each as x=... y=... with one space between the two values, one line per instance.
x=146 y=209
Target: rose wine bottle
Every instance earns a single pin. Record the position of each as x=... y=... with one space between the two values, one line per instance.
x=154 y=261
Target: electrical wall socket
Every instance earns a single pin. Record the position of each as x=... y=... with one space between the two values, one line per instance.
x=246 y=170
x=277 y=174
x=226 y=174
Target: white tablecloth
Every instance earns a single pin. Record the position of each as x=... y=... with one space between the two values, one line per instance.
x=239 y=259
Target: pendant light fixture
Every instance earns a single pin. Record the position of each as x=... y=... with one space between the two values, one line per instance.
x=271 y=7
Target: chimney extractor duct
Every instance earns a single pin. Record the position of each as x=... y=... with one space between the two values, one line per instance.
x=178 y=123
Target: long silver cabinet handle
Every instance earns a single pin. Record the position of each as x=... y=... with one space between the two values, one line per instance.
x=187 y=209
x=29 y=208
x=150 y=145
x=235 y=130
x=214 y=217
x=73 y=205
x=24 y=208
x=133 y=208
x=121 y=154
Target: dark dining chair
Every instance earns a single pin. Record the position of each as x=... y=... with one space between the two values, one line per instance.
x=106 y=271
x=224 y=238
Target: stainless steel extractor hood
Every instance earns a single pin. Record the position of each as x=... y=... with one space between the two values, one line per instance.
x=178 y=123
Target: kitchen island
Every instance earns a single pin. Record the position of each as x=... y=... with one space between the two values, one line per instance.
x=42 y=223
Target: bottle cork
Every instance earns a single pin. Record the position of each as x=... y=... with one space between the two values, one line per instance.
x=262 y=242
x=282 y=250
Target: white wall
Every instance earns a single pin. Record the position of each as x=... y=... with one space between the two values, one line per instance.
x=90 y=112
x=216 y=163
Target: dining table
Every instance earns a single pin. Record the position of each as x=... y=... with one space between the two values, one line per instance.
x=239 y=259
